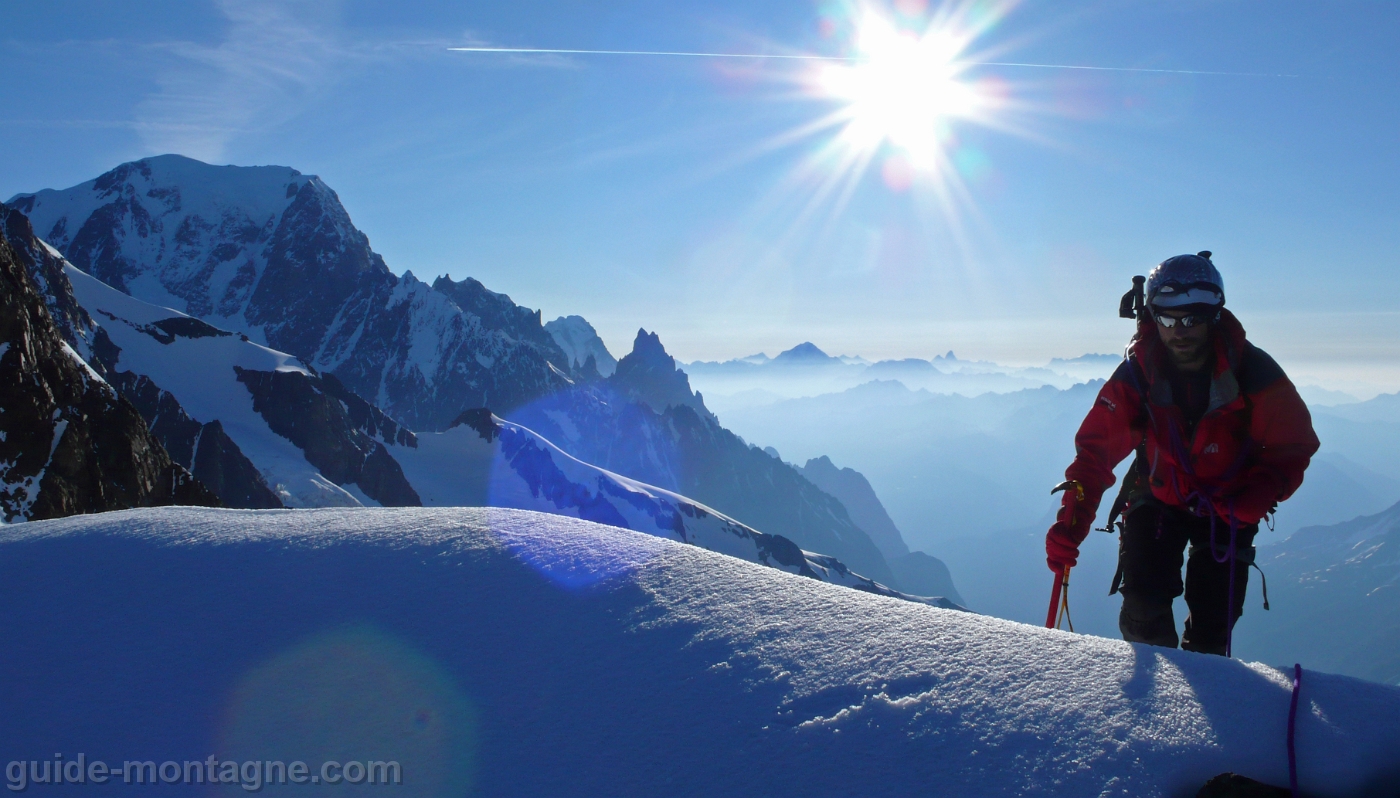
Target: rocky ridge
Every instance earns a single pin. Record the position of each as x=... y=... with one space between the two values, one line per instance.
x=69 y=444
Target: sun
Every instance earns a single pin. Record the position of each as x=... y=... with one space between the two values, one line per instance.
x=903 y=90
x=899 y=103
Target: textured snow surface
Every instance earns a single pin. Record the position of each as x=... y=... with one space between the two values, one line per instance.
x=519 y=653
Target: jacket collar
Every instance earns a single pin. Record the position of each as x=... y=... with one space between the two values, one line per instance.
x=1228 y=338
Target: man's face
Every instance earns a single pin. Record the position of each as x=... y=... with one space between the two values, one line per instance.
x=1186 y=345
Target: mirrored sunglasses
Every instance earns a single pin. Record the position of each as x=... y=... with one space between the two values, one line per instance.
x=1186 y=321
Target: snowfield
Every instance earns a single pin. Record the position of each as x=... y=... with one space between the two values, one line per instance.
x=507 y=652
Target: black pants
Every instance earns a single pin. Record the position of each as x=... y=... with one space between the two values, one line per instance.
x=1150 y=552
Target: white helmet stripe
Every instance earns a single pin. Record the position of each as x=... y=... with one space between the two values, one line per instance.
x=1191 y=296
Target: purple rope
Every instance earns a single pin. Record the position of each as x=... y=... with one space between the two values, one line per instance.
x=1292 y=726
x=1228 y=558
x=1203 y=501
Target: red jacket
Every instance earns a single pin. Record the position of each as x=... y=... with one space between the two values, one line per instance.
x=1246 y=454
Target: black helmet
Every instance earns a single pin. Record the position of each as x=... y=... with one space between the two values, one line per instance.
x=1185 y=280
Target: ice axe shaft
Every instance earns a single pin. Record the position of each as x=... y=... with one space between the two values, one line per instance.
x=1060 y=580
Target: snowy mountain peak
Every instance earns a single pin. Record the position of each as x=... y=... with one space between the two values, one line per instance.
x=580 y=341
x=271 y=253
x=220 y=241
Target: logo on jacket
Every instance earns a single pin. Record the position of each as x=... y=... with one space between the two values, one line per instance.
x=1214 y=448
x=1112 y=408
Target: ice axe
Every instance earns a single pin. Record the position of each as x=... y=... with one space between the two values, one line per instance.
x=1057 y=606
x=1059 y=594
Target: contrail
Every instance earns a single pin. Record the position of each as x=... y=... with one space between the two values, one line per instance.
x=651 y=52
x=544 y=51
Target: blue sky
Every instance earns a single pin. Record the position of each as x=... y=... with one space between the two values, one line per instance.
x=660 y=193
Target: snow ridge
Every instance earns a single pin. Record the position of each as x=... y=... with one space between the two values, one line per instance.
x=529 y=654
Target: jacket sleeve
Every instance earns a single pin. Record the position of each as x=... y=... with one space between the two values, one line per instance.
x=1284 y=442
x=1111 y=431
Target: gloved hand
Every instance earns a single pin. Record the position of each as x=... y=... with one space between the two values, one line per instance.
x=1060 y=548
x=1251 y=502
x=1070 y=528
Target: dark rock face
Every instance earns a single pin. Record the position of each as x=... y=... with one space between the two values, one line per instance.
x=1233 y=785
x=298 y=408
x=68 y=443
x=272 y=253
x=220 y=466
x=316 y=261
x=46 y=270
x=649 y=375
x=479 y=419
x=644 y=422
x=205 y=449
x=367 y=418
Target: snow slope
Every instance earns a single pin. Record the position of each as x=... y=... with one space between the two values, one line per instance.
x=520 y=654
x=199 y=373
x=485 y=461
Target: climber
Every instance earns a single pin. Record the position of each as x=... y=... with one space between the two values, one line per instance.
x=1221 y=438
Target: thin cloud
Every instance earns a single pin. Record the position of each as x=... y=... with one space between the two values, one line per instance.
x=274 y=57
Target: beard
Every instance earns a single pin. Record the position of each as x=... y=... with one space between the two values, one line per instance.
x=1184 y=355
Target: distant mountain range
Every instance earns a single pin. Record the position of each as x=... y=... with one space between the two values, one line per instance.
x=805 y=370
x=275 y=356
x=1334 y=593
